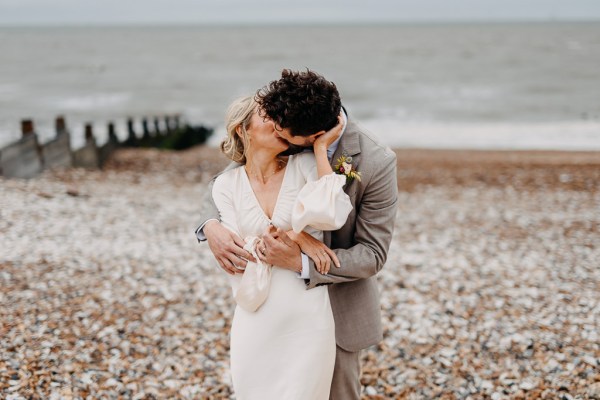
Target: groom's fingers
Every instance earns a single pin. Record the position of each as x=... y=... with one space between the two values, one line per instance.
x=227 y=266
x=239 y=251
x=238 y=241
x=238 y=255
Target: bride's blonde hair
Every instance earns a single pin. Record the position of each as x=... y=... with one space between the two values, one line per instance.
x=237 y=121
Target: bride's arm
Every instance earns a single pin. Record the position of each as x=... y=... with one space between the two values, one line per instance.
x=321 y=255
x=321 y=145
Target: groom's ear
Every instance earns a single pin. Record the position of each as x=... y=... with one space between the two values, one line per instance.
x=314 y=136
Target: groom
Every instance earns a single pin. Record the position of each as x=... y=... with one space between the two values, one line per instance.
x=302 y=105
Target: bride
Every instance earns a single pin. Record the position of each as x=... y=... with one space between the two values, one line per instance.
x=282 y=335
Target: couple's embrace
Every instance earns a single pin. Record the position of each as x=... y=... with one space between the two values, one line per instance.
x=302 y=235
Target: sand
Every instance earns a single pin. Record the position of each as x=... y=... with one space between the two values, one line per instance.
x=490 y=289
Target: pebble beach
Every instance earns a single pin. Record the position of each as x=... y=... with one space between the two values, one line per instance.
x=490 y=291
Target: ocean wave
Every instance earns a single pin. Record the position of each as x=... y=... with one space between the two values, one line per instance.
x=560 y=135
x=91 y=101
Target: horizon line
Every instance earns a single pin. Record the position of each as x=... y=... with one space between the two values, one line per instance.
x=477 y=21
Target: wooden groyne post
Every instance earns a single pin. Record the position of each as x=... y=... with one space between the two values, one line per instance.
x=111 y=145
x=23 y=158
x=88 y=156
x=27 y=158
x=57 y=152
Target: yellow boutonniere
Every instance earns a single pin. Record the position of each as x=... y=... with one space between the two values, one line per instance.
x=344 y=166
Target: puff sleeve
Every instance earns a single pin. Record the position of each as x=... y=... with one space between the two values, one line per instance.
x=322 y=204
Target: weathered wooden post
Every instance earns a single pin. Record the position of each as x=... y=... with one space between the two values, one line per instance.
x=23 y=158
x=57 y=152
x=89 y=133
x=157 y=130
x=132 y=140
x=110 y=146
x=146 y=137
x=87 y=156
x=112 y=135
x=167 y=124
x=145 y=130
x=60 y=125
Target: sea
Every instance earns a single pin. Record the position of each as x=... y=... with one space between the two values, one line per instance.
x=427 y=85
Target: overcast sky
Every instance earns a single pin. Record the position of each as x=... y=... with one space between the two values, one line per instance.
x=68 y=12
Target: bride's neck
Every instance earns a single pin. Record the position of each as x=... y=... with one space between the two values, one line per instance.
x=262 y=165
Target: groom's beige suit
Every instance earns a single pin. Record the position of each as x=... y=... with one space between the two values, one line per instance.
x=361 y=245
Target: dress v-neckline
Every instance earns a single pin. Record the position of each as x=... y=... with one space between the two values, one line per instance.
x=262 y=211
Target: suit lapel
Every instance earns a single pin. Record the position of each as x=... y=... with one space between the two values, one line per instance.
x=350 y=146
x=349 y=143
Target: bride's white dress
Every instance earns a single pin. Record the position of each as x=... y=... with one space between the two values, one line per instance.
x=285 y=349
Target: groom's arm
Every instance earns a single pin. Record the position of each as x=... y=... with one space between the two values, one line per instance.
x=373 y=231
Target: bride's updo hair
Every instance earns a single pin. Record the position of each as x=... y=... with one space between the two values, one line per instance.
x=237 y=122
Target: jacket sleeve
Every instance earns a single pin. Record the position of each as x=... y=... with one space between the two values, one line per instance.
x=373 y=231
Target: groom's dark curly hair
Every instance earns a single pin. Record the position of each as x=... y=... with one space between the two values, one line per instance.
x=303 y=101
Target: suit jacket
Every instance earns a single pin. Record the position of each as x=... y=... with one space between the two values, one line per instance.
x=361 y=245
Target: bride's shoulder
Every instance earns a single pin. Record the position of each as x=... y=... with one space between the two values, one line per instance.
x=303 y=160
x=303 y=163
x=228 y=176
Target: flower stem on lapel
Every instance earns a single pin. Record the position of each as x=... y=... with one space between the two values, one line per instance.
x=343 y=166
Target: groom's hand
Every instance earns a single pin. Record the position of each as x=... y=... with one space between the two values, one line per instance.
x=227 y=247
x=278 y=249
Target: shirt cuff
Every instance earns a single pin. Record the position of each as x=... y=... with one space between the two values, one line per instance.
x=200 y=230
x=305 y=274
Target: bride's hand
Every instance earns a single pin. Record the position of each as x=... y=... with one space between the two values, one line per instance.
x=316 y=250
x=325 y=140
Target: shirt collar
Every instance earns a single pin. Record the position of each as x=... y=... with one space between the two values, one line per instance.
x=333 y=147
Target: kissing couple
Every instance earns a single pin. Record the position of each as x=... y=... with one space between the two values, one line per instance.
x=302 y=222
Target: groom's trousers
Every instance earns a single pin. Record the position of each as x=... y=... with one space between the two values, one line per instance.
x=346 y=376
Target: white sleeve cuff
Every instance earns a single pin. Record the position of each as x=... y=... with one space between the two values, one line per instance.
x=200 y=230
x=305 y=274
